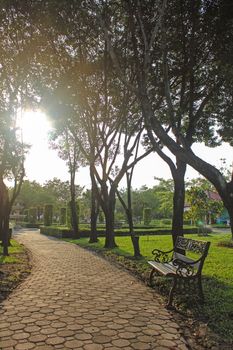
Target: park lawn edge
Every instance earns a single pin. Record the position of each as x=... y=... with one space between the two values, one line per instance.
x=14 y=268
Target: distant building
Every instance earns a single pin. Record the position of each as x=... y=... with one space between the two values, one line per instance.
x=213 y=195
x=223 y=218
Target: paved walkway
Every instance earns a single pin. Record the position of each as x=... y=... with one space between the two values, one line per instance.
x=74 y=299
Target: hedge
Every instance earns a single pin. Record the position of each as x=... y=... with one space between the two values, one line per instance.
x=67 y=233
x=28 y=225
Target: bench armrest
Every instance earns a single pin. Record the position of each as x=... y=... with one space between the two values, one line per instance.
x=184 y=268
x=161 y=256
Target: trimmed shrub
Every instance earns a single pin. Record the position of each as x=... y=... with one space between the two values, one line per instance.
x=48 y=215
x=28 y=225
x=147 y=216
x=32 y=215
x=68 y=233
x=62 y=216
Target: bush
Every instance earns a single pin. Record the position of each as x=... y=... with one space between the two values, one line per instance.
x=28 y=225
x=32 y=215
x=63 y=216
x=147 y=216
x=48 y=215
x=62 y=232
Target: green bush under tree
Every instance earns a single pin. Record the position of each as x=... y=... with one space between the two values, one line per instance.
x=32 y=215
x=147 y=216
x=63 y=216
x=48 y=214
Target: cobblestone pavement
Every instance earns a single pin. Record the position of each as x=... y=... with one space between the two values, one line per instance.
x=74 y=299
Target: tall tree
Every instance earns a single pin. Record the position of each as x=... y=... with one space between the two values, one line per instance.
x=178 y=83
x=11 y=167
x=16 y=54
x=94 y=104
x=65 y=143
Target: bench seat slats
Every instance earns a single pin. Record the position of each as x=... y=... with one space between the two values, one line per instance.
x=164 y=268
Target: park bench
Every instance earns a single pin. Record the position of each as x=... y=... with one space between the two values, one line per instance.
x=185 y=271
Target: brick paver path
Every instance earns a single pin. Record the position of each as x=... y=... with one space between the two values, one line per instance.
x=74 y=299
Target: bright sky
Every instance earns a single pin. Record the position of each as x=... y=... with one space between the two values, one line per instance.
x=43 y=164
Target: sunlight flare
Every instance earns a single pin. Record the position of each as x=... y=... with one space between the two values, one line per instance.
x=34 y=126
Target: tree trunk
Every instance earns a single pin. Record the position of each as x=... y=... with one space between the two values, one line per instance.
x=230 y=211
x=178 y=200
x=229 y=206
x=4 y=217
x=94 y=213
x=134 y=237
x=74 y=218
x=73 y=205
x=6 y=236
x=129 y=213
x=109 y=212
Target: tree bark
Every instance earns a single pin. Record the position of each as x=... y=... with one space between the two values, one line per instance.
x=73 y=206
x=229 y=204
x=129 y=213
x=134 y=237
x=109 y=212
x=4 y=217
x=178 y=200
x=94 y=211
x=230 y=211
x=74 y=218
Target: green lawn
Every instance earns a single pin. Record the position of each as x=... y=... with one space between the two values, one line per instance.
x=217 y=271
x=14 y=249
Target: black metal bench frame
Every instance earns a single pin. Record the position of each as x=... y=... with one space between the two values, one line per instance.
x=181 y=268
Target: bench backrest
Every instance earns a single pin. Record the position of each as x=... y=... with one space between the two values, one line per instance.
x=191 y=245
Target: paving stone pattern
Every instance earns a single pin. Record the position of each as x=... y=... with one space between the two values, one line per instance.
x=74 y=299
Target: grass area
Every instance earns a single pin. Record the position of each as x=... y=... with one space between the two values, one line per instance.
x=14 y=250
x=217 y=282
x=14 y=268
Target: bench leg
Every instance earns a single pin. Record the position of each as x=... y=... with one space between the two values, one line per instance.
x=171 y=293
